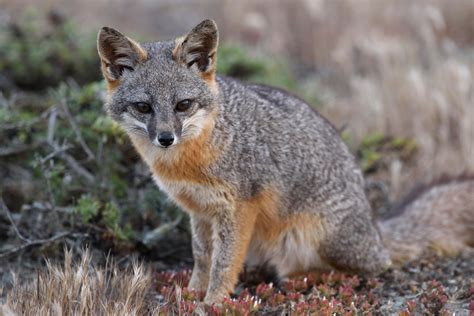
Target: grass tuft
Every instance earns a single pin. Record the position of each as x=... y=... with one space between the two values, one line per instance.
x=78 y=287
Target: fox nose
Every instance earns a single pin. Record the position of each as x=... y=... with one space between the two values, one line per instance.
x=166 y=139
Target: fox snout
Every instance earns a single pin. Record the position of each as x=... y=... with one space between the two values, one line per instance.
x=164 y=139
x=163 y=129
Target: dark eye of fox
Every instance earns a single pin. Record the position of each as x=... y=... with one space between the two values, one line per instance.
x=143 y=107
x=183 y=105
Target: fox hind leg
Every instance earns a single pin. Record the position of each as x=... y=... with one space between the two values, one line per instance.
x=353 y=244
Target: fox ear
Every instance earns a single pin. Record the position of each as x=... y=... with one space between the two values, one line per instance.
x=117 y=53
x=198 y=49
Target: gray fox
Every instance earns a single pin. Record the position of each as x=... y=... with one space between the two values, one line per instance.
x=264 y=177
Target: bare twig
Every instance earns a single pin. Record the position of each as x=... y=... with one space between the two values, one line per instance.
x=43 y=207
x=28 y=242
x=71 y=162
x=18 y=149
x=61 y=151
x=52 y=125
x=39 y=242
x=10 y=218
x=76 y=129
x=151 y=238
x=52 y=200
x=77 y=168
x=58 y=151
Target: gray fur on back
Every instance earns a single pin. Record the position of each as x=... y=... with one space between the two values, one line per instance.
x=276 y=139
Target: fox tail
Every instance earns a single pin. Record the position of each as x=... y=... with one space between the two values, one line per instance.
x=438 y=217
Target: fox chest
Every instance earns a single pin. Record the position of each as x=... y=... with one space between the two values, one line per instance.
x=193 y=197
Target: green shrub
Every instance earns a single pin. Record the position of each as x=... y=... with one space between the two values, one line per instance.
x=241 y=62
x=87 y=207
x=37 y=52
x=376 y=149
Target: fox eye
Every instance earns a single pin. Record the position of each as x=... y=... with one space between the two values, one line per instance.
x=183 y=105
x=142 y=107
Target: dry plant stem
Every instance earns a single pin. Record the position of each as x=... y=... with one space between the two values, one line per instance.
x=10 y=218
x=38 y=242
x=18 y=149
x=61 y=151
x=76 y=130
x=152 y=238
x=58 y=151
x=73 y=164
x=28 y=242
x=52 y=125
x=79 y=287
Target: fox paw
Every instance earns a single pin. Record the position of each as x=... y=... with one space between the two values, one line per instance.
x=215 y=298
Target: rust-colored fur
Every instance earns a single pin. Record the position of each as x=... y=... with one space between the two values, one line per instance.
x=112 y=85
x=191 y=159
x=245 y=224
x=269 y=224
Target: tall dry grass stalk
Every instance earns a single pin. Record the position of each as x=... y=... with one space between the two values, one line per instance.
x=80 y=288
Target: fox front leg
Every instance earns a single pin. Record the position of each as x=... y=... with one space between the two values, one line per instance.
x=202 y=252
x=232 y=230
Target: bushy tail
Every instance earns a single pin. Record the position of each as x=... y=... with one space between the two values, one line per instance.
x=438 y=217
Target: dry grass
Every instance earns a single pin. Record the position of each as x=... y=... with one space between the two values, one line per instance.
x=80 y=288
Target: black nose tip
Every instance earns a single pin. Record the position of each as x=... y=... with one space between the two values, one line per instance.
x=166 y=139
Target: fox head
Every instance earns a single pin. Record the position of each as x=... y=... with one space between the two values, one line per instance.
x=162 y=92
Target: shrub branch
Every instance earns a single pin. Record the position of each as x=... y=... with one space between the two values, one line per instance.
x=28 y=242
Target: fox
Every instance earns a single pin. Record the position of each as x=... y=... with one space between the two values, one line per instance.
x=265 y=179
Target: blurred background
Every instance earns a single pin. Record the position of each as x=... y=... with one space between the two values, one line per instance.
x=394 y=76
